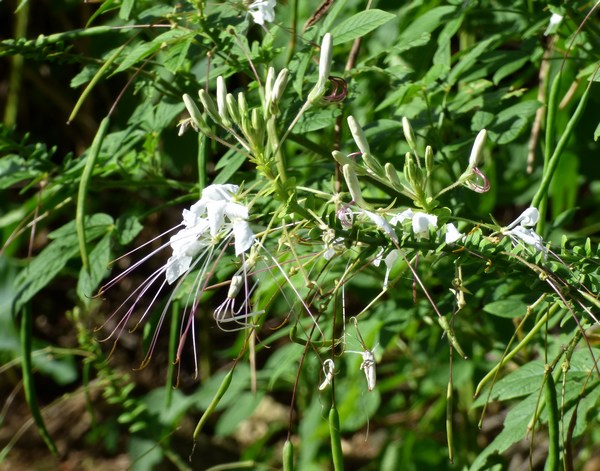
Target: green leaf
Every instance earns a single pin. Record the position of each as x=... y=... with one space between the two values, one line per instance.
x=359 y=25
x=510 y=307
x=128 y=227
x=126 y=8
x=99 y=259
x=239 y=410
x=426 y=23
x=597 y=132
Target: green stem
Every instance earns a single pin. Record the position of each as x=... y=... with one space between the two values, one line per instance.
x=95 y=80
x=173 y=335
x=509 y=356
x=28 y=382
x=554 y=160
x=83 y=189
x=549 y=143
x=336 y=439
x=16 y=70
x=202 y=158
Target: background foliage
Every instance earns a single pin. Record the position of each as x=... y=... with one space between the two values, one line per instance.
x=452 y=68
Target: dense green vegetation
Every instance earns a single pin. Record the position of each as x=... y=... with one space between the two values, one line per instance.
x=293 y=235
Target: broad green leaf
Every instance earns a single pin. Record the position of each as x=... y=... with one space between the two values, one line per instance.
x=525 y=380
x=510 y=307
x=316 y=120
x=44 y=267
x=597 y=132
x=244 y=405
x=426 y=23
x=469 y=59
x=515 y=429
x=359 y=25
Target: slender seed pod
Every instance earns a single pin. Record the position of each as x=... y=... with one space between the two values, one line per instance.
x=336 y=439
x=553 y=460
x=288 y=456
x=214 y=403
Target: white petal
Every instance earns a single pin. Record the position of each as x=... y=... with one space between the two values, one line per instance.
x=177 y=266
x=243 y=235
x=216 y=216
x=379 y=257
x=421 y=223
x=236 y=210
x=403 y=216
x=528 y=218
x=192 y=216
x=220 y=192
x=382 y=224
x=452 y=233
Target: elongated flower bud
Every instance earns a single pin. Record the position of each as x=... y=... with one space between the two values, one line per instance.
x=242 y=104
x=477 y=150
x=222 y=100
x=324 y=68
x=270 y=80
x=353 y=186
x=193 y=111
x=392 y=175
x=232 y=108
x=209 y=105
x=373 y=165
x=409 y=135
x=280 y=84
x=358 y=135
x=429 y=160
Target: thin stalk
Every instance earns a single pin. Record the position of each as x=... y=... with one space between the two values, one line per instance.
x=86 y=176
x=16 y=70
x=28 y=381
x=509 y=356
x=554 y=160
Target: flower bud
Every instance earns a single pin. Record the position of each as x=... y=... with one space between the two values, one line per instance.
x=358 y=135
x=242 y=104
x=324 y=68
x=409 y=135
x=341 y=158
x=353 y=186
x=429 y=160
x=477 y=150
x=392 y=175
x=193 y=110
x=280 y=84
x=222 y=100
x=232 y=108
x=270 y=80
x=373 y=165
x=258 y=122
x=209 y=105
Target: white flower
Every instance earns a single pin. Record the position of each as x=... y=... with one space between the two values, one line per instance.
x=520 y=230
x=208 y=215
x=401 y=217
x=389 y=261
x=452 y=233
x=421 y=222
x=382 y=224
x=555 y=21
x=262 y=10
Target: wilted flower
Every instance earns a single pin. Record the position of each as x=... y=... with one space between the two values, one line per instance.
x=328 y=370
